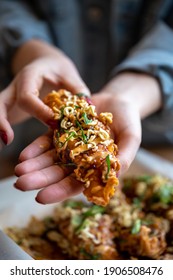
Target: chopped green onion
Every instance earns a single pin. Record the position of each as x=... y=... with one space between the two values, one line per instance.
x=83 y=224
x=83 y=134
x=108 y=162
x=56 y=140
x=92 y=211
x=137 y=202
x=136 y=227
x=165 y=194
x=81 y=94
x=88 y=255
x=62 y=111
x=86 y=120
x=77 y=107
x=76 y=220
x=95 y=209
x=71 y=134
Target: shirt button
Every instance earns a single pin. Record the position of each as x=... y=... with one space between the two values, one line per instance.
x=95 y=14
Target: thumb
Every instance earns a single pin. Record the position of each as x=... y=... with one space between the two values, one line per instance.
x=28 y=85
x=73 y=81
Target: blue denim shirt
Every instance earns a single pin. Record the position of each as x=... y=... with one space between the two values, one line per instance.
x=102 y=37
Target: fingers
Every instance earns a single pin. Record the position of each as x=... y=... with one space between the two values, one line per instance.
x=36 y=148
x=27 y=94
x=128 y=146
x=129 y=136
x=40 y=178
x=75 y=85
x=6 y=132
x=126 y=127
x=32 y=81
x=52 y=181
x=72 y=80
x=60 y=191
x=37 y=163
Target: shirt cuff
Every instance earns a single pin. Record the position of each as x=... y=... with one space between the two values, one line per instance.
x=154 y=55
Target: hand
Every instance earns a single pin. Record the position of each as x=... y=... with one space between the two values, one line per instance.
x=37 y=169
x=40 y=68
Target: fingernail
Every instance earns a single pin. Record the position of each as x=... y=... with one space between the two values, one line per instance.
x=37 y=200
x=16 y=174
x=52 y=124
x=4 y=137
x=89 y=100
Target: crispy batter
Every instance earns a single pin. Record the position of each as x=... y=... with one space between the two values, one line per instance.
x=82 y=139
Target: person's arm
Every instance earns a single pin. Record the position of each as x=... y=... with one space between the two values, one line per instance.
x=40 y=68
x=153 y=55
x=141 y=89
x=133 y=97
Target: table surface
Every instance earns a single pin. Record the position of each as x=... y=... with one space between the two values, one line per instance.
x=165 y=152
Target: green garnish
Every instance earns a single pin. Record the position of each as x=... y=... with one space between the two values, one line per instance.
x=82 y=225
x=71 y=134
x=56 y=141
x=92 y=211
x=81 y=94
x=108 y=162
x=77 y=107
x=95 y=209
x=137 y=202
x=76 y=221
x=62 y=111
x=165 y=194
x=86 y=120
x=88 y=255
x=83 y=134
x=136 y=227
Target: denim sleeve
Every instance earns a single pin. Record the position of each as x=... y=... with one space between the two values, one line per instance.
x=154 y=55
x=18 y=24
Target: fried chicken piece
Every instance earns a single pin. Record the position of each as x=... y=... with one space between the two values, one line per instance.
x=82 y=140
x=147 y=238
x=85 y=233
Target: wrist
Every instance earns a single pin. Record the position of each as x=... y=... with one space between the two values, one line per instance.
x=140 y=89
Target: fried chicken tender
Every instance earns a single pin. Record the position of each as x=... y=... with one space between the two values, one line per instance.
x=85 y=232
x=83 y=140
